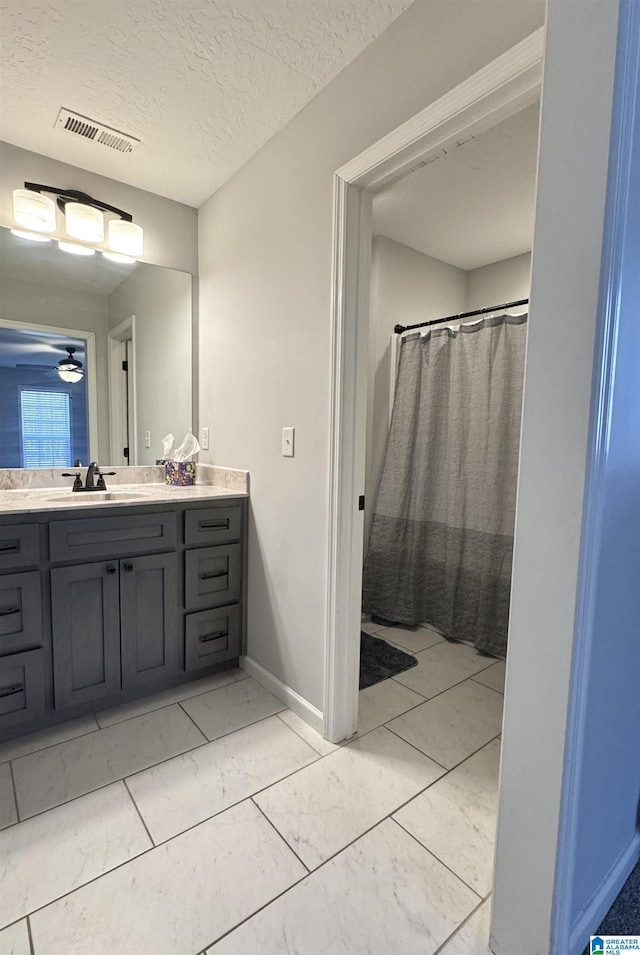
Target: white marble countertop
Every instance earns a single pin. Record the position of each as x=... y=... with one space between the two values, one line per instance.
x=45 y=489
x=33 y=500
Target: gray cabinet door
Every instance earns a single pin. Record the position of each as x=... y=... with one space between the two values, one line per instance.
x=150 y=645
x=86 y=632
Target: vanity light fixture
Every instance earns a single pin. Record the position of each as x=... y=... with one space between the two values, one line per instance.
x=69 y=368
x=84 y=219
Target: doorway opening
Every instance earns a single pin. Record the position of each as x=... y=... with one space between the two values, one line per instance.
x=122 y=392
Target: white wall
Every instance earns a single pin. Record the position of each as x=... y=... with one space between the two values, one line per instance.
x=170 y=228
x=160 y=299
x=50 y=305
x=265 y=278
x=406 y=287
x=576 y=113
x=505 y=281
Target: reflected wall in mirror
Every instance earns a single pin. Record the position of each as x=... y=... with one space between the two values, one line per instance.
x=131 y=328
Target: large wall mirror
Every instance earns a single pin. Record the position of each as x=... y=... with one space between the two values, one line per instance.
x=128 y=328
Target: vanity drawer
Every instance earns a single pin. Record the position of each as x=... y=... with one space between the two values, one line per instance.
x=213 y=525
x=212 y=576
x=211 y=636
x=21 y=688
x=20 y=612
x=19 y=546
x=111 y=536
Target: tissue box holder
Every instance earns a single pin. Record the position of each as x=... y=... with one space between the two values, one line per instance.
x=180 y=473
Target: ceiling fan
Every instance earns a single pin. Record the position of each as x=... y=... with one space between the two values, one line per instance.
x=68 y=368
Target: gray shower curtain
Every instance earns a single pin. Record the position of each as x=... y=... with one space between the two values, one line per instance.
x=441 y=542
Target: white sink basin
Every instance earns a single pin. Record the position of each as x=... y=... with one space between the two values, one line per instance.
x=89 y=497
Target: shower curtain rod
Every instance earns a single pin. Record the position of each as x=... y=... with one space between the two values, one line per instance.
x=399 y=329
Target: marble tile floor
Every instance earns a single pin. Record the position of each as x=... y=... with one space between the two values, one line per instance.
x=213 y=821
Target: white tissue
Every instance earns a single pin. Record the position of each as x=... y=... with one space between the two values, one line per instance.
x=167 y=445
x=187 y=449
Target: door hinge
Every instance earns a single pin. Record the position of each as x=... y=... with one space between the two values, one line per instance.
x=361 y=503
x=125 y=366
x=125 y=453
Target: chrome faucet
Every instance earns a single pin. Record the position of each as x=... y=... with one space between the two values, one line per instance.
x=90 y=484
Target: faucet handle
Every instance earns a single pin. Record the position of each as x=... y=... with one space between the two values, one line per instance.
x=77 y=484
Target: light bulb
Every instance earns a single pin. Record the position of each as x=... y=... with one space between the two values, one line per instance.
x=75 y=249
x=70 y=375
x=32 y=236
x=33 y=211
x=84 y=222
x=125 y=237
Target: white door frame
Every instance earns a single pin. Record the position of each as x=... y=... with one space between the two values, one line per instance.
x=89 y=339
x=116 y=339
x=499 y=90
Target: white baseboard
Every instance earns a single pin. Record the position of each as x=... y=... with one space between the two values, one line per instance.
x=301 y=707
x=604 y=898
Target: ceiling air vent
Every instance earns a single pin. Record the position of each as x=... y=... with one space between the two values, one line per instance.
x=78 y=125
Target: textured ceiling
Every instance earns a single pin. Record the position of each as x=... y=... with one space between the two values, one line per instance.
x=473 y=206
x=203 y=83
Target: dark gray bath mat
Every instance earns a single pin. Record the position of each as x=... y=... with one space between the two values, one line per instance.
x=379 y=660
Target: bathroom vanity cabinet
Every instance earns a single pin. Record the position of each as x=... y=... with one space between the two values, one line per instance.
x=102 y=606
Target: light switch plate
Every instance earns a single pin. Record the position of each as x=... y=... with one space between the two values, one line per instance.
x=288 y=442
x=147 y=439
x=205 y=439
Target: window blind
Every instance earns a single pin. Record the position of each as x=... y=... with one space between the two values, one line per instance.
x=46 y=429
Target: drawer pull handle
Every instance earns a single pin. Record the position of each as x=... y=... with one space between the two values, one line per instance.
x=11 y=690
x=7 y=613
x=213 y=525
x=10 y=547
x=218 y=573
x=214 y=636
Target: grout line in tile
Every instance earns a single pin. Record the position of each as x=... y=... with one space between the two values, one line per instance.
x=10 y=759
x=163 y=706
x=427 y=699
x=275 y=829
x=413 y=746
x=499 y=692
x=434 y=856
x=15 y=795
x=252 y=723
x=30 y=936
x=422 y=752
x=137 y=809
x=300 y=736
x=464 y=922
x=151 y=766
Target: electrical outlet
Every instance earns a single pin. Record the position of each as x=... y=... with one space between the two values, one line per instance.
x=147 y=439
x=205 y=439
x=288 y=441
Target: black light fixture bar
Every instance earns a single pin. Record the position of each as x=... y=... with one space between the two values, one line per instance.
x=74 y=195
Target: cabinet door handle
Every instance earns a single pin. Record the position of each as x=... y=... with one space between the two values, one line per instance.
x=6 y=613
x=214 y=636
x=11 y=690
x=128 y=566
x=12 y=547
x=218 y=573
x=111 y=569
x=213 y=525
